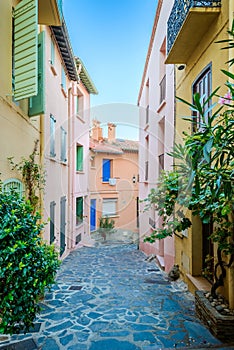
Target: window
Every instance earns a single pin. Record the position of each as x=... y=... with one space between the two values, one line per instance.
x=62 y=224
x=77 y=104
x=106 y=170
x=109 y=206
x=202 y=86
x=79 y=158
x=161 y=163
x=79 y=210
x=52 y=52
x=52 y=220
x=92 y=161
x=63 y=79
x=63 y=150
x=52 y=136
x=13 y=185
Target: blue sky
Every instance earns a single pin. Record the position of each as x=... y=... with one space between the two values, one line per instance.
x=112 y=38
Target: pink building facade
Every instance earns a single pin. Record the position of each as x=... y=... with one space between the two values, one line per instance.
x=60 y=74
x=79 y=121
x=156 y=109
x=113 y=179
x=64 y=129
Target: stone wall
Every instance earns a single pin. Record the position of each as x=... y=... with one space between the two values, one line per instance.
x=221 y=326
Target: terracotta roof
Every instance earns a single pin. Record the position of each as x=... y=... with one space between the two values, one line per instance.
x=118 y=146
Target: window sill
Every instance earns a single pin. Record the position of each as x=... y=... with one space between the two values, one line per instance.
x=80 y=224
x=53 y=70
x=80 y=172
x=162 y=104
x=146 y=127
x=52 y=157
x=80 y=118
x=199 y=282
x=64 y=92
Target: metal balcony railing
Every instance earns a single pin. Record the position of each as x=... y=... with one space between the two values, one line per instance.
x=178 y=15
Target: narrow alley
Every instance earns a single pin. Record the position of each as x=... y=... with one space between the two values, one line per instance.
x=109 y=297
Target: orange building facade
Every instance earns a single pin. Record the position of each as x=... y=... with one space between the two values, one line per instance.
x=113 y=179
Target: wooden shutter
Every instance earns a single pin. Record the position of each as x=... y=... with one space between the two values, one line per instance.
x=37 y=103
x=52 y=222
x=25 y=49
x=106 y=163
x=79 y=158
x=79 y=210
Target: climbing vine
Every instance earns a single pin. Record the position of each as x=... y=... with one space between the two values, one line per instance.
x=32 y=174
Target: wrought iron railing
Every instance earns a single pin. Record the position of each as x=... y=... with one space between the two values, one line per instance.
x=179 y=13
x=162 y=86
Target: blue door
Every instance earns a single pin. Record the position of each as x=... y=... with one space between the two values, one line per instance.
x=93 y=215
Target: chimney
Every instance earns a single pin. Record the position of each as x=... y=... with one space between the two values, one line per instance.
x=111 y=131
x=96 y=133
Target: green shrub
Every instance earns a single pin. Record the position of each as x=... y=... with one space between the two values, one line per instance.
x=27 y=264
x=106 y=223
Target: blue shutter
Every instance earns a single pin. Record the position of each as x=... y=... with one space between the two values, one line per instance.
x=106 y=163
x=25 y=49
x=37 y=103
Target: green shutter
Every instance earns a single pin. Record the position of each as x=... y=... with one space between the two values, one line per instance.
x=79 y=158
x=37 y=103
x=25 y=49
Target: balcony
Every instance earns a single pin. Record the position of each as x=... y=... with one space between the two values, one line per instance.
x=50 y=12
x=187 y=24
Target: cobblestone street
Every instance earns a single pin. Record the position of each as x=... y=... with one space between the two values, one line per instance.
x=110 y=298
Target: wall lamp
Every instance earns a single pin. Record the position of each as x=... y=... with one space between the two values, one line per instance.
x=181 y=66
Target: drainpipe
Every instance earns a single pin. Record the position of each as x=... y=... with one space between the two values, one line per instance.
x=231 y=270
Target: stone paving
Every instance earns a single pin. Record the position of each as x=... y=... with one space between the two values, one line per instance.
x=109 y=297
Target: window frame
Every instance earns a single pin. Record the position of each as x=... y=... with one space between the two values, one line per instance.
x=201 y=83
x=104 y=162
x=113 y=213
x=79 y=154
x=9 y=182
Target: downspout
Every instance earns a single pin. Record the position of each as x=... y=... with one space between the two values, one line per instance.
x=70 y=166
x=231 y=269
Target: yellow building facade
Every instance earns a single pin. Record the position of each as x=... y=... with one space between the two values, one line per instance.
x=19 y=23
x=193 y=31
